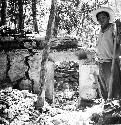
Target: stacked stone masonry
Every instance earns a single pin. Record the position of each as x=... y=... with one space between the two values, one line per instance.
x=22 y=69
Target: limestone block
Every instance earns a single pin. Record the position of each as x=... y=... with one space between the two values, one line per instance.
x=35 y=67
x=3 y=66
x=17 y=71
x=88 y=93
x=34 y=74
x=87 y=81
x=25 y=84
x=36 y=87
x=64 y=56
x=17 y=65
x=49 y=80
x=17 y=56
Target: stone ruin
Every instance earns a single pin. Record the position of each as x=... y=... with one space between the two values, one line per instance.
x=21 y=70
x=20 y=67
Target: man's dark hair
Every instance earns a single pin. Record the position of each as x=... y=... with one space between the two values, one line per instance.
x=103 y=12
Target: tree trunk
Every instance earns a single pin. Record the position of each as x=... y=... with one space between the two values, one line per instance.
x=55 y=30
x=0 y=11
x=49 y=33
x=3 y=12
x=21 y=19
x=49 y=93
x=34 y=16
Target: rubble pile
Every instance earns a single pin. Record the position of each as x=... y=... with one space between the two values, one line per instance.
x=111 y=113
x=17 y=107
x=100 y=113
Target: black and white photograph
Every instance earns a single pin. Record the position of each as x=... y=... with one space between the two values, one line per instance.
x=60 y=62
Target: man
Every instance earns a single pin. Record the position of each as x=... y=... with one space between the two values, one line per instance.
x=105 y=46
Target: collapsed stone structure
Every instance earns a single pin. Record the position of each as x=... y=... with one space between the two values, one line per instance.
x=20 y=68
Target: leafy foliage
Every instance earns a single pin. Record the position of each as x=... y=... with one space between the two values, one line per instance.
x=72 y=16
x=66 y=17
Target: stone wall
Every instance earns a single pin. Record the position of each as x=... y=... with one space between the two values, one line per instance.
x=17 y=65
x=20 y=65
x=21 y=69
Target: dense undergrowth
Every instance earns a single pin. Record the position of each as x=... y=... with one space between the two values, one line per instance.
x=17 y=108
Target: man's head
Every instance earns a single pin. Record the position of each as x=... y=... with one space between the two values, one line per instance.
x=103 y=13
x=103 y=18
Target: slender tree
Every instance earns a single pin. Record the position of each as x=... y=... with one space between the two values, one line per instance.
x=3 y=12
x=0 y=12
x=34 y=16
x=49 y=34
x=21 y=17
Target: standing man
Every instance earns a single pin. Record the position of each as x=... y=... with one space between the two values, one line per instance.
x=105 y=46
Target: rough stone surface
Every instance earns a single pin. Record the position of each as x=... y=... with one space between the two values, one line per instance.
x=17 y=65
x=64 y=56
x=25 y=84
x=34 y=70
x=87 y=81
x=3 y=66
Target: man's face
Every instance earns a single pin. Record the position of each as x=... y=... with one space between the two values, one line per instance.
x=103 y=19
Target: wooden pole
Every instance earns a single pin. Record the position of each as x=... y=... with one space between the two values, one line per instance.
x=112 y=67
